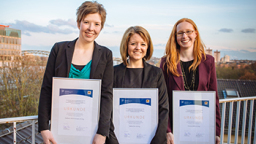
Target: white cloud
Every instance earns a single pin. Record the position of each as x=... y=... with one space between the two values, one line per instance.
x=61 y=22
x=27 y=27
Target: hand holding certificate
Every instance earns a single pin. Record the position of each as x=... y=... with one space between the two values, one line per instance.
x=135 y=115
x=75 y=110
x=194 y=117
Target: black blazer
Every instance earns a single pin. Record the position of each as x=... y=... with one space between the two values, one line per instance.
x=58 y=65
x=152 y=78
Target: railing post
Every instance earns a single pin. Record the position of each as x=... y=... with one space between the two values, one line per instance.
x=222 y=122
x=14 y=132
x=230 y=121
x=237 y=121
x=250 y=122
x=33 y=132
x=254 y=139
x=244 y=122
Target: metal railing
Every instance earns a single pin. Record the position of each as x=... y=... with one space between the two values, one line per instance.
x=238 y=101
x=222 y=102
x=20 y=119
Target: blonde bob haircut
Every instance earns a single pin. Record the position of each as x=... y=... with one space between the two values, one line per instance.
x=172 y=50
x=89 y=7
x=126 y=38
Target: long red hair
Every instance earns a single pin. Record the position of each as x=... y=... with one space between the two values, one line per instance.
x=172 y=50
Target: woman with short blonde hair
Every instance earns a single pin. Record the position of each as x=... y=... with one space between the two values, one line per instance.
x=81 y=58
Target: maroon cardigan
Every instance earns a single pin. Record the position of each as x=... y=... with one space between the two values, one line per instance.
x=207 y=82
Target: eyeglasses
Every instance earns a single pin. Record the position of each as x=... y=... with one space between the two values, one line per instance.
x=188 y=32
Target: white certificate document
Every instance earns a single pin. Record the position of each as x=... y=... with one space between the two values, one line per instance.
x=75 y=110
x=194 y=117
x=135 y=115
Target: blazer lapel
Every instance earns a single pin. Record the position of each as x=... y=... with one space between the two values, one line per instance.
x=202 y=75
x=69 y=54
x=95 y=59
x=179 y=80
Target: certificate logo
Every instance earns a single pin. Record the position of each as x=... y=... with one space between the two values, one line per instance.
x=206 y=103
x=89 y=92
x=147 y=101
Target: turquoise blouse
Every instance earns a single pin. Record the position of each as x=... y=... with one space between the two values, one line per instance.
x=83 y=74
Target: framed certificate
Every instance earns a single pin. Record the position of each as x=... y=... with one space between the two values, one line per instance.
x=135 y=114
x=75 y=110
x=194 y=117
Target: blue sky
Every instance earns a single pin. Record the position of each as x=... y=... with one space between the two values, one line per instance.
x=228 y=26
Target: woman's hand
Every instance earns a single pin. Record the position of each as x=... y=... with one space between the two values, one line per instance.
x=217 y=140
x=170 y=138
x=47 y=137
x=99 y=139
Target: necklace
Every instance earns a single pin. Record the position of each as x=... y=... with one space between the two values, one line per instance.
x=186 y=86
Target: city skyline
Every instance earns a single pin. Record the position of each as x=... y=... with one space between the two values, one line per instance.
x=227 y=26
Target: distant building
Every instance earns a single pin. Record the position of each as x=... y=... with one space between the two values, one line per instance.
x=10 y=54
x=208 y=51
x=217 y=56
x=225 y=59
x=10 y=46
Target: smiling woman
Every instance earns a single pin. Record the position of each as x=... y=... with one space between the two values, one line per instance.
x=136 y=44
x=186 y=35
x=136 y=47
x=89 y=27
x=80 y=58
x=187 y=67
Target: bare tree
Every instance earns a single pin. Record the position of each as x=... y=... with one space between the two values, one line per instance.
x=20 y=86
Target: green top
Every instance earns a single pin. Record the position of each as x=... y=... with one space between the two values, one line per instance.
x=83 y=74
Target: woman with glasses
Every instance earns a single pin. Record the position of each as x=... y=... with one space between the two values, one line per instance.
x=187 y=67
